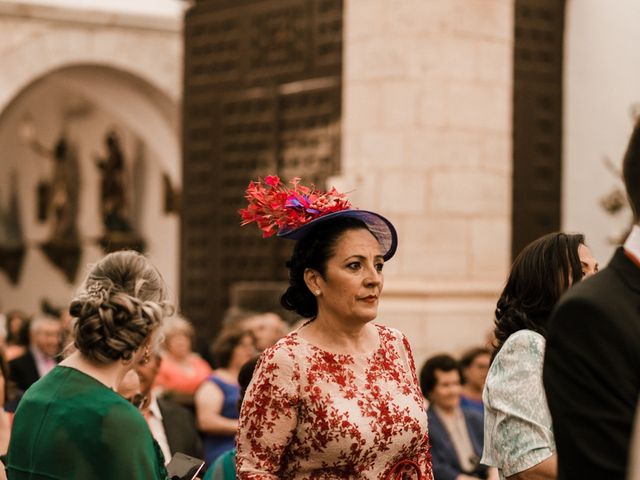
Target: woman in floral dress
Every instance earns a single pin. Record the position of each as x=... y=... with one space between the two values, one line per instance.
x=339 y=397
x=518 y=435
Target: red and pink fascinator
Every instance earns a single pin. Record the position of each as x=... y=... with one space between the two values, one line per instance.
x=291 y=211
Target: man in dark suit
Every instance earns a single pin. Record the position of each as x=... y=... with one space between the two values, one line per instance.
x=41 y=357
x=172 y=425
x=592 y=361
x=455 y=433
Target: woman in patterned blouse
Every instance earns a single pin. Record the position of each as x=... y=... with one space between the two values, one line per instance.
x=518 y=436
x=338 y=398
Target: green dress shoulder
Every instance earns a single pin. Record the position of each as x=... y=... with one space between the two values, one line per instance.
x=70 y=426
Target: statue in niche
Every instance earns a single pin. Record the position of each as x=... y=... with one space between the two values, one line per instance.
x=64 y=186
x=114 y=204
x=12 y=245
x=113 y=195
x=63 y=245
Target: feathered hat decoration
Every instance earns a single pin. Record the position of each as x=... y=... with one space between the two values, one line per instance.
x=290 y=211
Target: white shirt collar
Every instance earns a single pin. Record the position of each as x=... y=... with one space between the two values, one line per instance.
x=154 y=408
x=632 y=243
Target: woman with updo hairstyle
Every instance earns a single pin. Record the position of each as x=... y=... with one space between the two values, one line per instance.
x=339 y=396
x=72 y=423
x=518 y=435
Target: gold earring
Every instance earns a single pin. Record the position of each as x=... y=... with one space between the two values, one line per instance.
x=146 y=356
x=318 y=292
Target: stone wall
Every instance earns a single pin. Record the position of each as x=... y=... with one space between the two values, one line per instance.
x=601 y=84
x=427 y=142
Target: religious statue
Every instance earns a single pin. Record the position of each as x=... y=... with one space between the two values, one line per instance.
x=64 y=186
x=63 y=245
x=12 y=244
x=114 y=199
x=113 y=195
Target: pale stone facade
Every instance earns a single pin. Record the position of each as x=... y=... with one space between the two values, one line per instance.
x=111 y=70
x=602 y=91
x=427 y=141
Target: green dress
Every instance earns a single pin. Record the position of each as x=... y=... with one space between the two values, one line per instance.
x=70 y=426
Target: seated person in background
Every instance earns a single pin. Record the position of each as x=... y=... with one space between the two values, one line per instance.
x=181 y=370
x=42 y=355
x=455 y=432
x=17 y=340
x=172 y=425
x=267 y=327
x=474 y=366
x=224 y=468
x=217 y=398
x=5 y=417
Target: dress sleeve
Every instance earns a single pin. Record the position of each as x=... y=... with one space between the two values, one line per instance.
x=132 y=452
x=269 y=415
x=520 y=436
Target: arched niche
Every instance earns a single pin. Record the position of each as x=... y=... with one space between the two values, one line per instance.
x=90 y=99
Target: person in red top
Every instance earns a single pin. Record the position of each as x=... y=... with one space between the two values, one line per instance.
x=338 y=397
x=181 y=371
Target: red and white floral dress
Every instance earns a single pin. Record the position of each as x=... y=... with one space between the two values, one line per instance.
x=311 y=414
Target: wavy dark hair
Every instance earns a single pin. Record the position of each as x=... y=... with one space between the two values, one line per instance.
x=540 y=274
x=631 y=170
x=313 y=251
x=428 y=380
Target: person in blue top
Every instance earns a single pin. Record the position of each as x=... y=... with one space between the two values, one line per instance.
x=455 y=432
x=474 y=366
x=216 y=400
x=224 y=468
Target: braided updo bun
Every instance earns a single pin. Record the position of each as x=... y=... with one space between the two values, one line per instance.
x=122 y=301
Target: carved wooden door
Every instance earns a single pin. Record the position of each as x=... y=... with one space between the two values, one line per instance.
x=537 y=119
x=262 y=96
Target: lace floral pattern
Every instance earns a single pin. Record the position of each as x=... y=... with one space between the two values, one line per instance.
x=517 y=423
x=311 y=414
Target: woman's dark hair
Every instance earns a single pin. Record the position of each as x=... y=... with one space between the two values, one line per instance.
x=121 y=302
x=244 y=377
x=313 y=251
x=444 y=363
x=226 y=342
x=540 y=274
x=469 y=357
x=9 y=385
x=22 y=336
x=631 y=170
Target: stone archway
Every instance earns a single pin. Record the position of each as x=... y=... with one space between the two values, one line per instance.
x=129 y=69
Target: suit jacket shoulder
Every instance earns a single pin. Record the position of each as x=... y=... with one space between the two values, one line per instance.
x=180 y=429
x=592 y=371
x=23 y=371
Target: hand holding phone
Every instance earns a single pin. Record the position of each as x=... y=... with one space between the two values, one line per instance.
x=184 y=467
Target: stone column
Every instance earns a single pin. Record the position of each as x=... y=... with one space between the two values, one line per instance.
x=427 y=142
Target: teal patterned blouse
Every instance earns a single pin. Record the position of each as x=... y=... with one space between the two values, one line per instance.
x=517 y=423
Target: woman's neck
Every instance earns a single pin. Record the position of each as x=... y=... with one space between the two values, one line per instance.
x=179 y=358
x=109 y=374
x=341 y=337
x=229 y=373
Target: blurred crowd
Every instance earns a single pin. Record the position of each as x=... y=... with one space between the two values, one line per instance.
x=189 y=398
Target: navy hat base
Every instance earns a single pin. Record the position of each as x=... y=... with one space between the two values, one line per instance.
x=379 y=226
